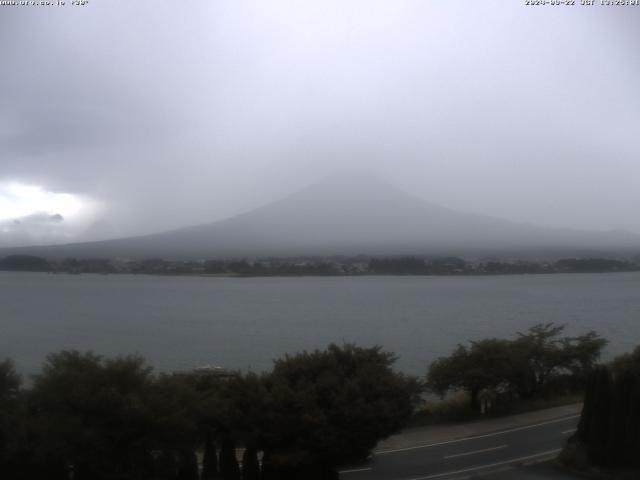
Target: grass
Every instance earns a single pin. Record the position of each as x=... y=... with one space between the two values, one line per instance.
x=455 y=409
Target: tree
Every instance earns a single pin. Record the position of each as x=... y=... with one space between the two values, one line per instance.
x=398 y=266
x=229 y=468
x=250 y=465
x=329 y=407
x=241 y=267
x=91 y=414
x=609 y=427
x=25 y=263
x=209 y=460
x=166 y=466
x=187 y=465
x=522 y=367
x=486 y=364
x=176 y=408
x=240 y=404
x=11 y=419
x=624 y=430
x=629 y=362
x=542 y=355
x=595 y=425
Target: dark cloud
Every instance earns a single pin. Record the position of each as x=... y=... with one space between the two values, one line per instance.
x=39 y=218
x=31 y=229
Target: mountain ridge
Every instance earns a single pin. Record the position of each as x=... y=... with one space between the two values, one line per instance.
x=345 y=215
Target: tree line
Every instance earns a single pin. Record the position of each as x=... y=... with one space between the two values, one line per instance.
x=541 y=362
x=535 y=363
x=314 y=266
x=85 y=416
x=608 y=434
x=88 y=417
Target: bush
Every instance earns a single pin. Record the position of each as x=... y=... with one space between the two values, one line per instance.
x=537 y=362
x=609 y=428
x=108 y=419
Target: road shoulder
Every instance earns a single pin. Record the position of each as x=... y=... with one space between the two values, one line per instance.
x=415 y=437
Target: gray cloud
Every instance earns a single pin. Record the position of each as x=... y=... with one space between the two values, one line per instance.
x=180 y=113
x=39 y=218
x=31 y=229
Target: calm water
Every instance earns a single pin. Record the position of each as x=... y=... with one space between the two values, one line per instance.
x=180 y=322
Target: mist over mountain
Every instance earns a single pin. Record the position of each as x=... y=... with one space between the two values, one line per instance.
x=349 y=215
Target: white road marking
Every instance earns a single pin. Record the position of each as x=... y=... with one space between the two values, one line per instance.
x=354 y=470
x=475 y=451
x=486 y=435
x=489 y=465
x=567 y=432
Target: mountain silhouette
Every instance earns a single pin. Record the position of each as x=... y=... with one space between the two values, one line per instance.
x=348 y=215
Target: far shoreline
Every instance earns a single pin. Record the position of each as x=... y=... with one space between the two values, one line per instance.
x=364 y=275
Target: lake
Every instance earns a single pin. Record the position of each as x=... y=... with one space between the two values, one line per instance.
x=241 y=323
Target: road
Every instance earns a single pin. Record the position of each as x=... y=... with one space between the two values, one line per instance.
x=466 y=457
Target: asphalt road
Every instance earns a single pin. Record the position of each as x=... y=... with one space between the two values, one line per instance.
x=466 y=457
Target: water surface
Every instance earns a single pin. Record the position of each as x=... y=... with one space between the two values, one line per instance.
x=181 y=322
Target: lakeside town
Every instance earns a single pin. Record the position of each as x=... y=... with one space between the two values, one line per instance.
x=320 y=266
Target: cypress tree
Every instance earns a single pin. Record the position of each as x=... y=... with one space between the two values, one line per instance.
x=598 y=440
x=267 y=471
x=188 y=466
x=585 y=425
x=229 y=468
x=144 y=466
x=166 y=466
x=609 y=427
x=633 y=421
x=209 y=460
x=87 y=471
x=620 y=432
x=250 y=464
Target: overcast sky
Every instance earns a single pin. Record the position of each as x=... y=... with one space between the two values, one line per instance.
x=125 y=117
